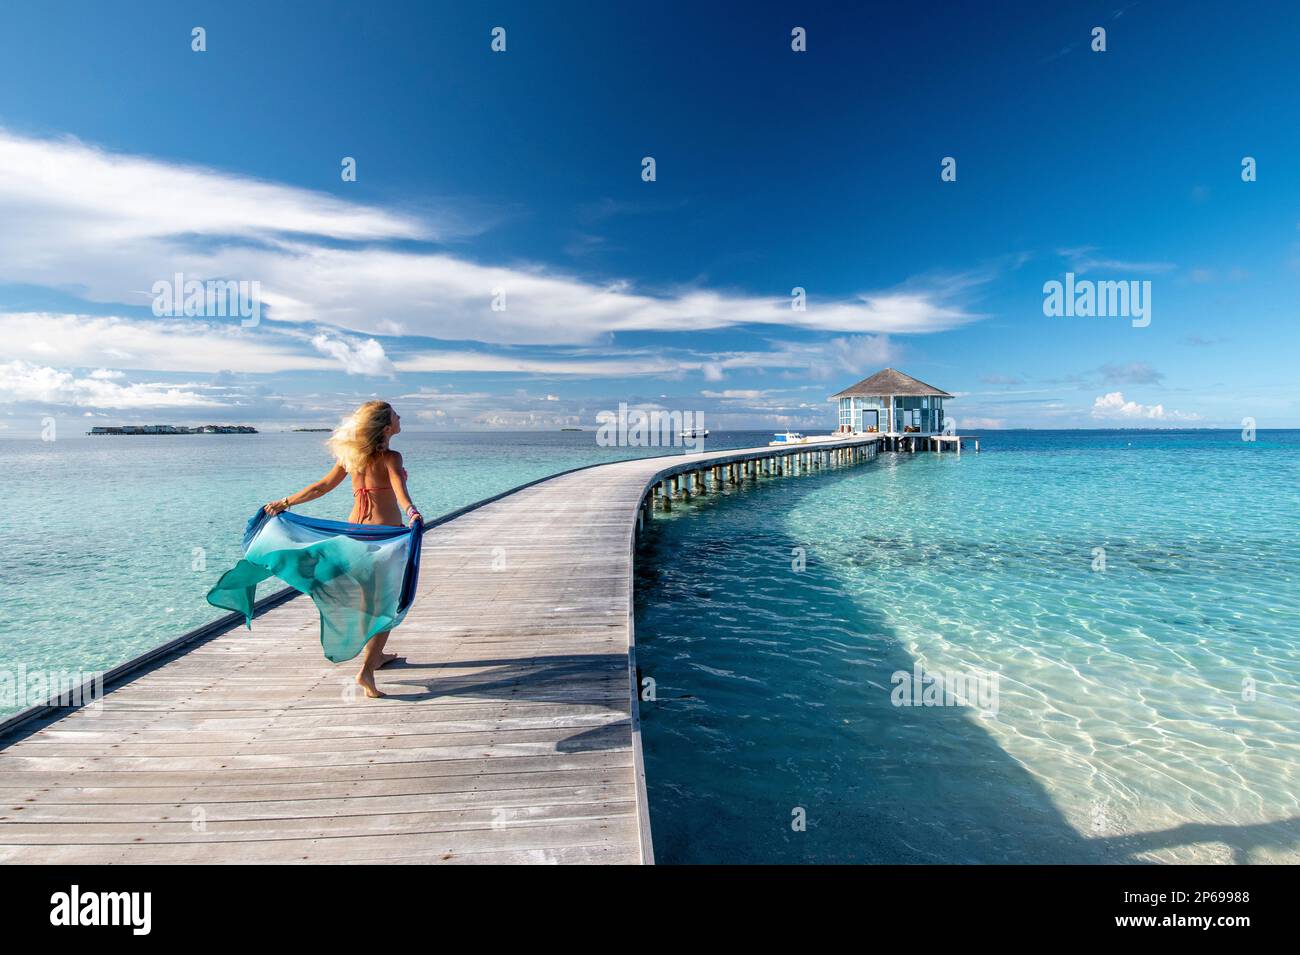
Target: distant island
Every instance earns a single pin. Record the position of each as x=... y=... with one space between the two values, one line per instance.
x=174 y=429
x=570 y=429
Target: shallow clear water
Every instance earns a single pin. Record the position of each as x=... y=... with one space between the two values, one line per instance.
x=1125 y=729
x=111 y=543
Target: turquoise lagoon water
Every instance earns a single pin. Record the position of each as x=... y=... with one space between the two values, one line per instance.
x=1126 y=729
x=111 y=543
x=1121 y=731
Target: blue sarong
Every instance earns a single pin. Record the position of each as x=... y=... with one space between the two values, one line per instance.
x=361 y=577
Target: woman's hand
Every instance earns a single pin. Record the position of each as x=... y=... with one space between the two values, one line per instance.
x=275 y=507
x=413 y=514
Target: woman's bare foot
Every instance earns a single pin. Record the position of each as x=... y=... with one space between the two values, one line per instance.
x=387 y=658
x=366 y=681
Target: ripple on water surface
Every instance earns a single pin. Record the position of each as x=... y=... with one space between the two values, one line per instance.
x=1125 y=729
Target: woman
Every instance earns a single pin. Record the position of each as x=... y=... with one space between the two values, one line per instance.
x=360 y=449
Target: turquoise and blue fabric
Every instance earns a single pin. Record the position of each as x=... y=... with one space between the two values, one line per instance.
x=361 y=577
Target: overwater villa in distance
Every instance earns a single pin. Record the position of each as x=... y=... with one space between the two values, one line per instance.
x=906 y=412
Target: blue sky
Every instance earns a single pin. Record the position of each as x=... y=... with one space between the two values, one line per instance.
x=127 y=157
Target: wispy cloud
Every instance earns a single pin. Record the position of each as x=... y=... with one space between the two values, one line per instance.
x=1132 y=373
x=91 y=341
x=324 y=261
x=70 y=192
x=1082 y=260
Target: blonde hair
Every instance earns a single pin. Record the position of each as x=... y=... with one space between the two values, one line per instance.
x=360 y=438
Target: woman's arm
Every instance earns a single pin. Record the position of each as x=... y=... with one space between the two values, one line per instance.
x=312 y=491
x=397 y=478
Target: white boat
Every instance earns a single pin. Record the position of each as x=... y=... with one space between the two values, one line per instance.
x=787 y=437
x=689 y=433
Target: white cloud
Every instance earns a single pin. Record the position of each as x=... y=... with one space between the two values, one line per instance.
x=452 y=361
x=860 y=353
x=185 y=345
x=22 y=381
x=357 y=357
x=851 y=355
x=111 y=225
x=112 y=345
x=745 y=393
x=68 y=191
x=1113 y=406
x=526 y=420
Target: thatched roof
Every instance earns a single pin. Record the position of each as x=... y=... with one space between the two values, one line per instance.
x=890 y=382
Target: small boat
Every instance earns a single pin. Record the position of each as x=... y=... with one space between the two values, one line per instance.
x=787 y=437
x=695 y=433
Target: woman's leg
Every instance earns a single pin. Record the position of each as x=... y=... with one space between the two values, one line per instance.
x=373 y=659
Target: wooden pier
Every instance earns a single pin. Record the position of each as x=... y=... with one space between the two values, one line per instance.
x=510 y=734
x=923 y=441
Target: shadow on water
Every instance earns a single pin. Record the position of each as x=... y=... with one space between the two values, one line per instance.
x=773 y=699
x=1278 y=837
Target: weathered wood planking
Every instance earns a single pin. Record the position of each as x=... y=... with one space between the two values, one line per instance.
x=510 y=734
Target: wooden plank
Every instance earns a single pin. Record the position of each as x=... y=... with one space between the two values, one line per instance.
x=509 y=735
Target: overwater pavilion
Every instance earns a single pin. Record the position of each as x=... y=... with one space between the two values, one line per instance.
x=895 y=405
x=889 y=402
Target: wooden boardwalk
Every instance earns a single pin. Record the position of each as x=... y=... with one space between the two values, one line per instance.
x=509 y=735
